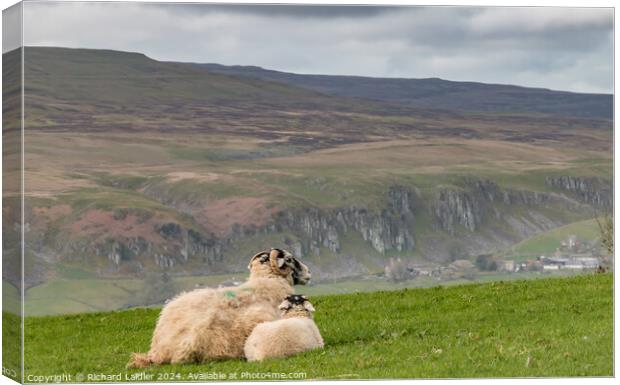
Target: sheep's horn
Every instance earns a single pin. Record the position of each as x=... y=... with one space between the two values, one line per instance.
x=256 y=256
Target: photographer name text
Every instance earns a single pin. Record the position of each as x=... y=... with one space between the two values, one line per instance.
x=165 y=376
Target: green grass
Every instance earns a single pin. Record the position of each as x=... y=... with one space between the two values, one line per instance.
x=109 y=199
x=73 y=272
x=77 y=295
x=131 y=182
x=219 y=154
x=11 y=342
x=549 y=327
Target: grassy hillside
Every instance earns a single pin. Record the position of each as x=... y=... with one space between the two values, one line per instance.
x=81 y=184
x=103 y=90
x=88 y=293
x=551 y=327
x=133 y=78
x=548 y=241
x=439 y=93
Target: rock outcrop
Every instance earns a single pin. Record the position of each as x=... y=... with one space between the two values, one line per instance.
x=386 y=229
x=469 y=203
x=471 y=216
x=591 y=190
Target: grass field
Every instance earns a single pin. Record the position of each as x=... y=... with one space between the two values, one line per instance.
x=78 y=292
x=548 y=241
x=87 y=294
x=548 y=327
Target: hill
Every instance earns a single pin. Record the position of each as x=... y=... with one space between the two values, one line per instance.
x=137 y=166
x=543 y=328
x=133 y=79
x=435 y=93
x=104 y=90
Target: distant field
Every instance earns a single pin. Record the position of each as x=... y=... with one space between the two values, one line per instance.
x=11 y=298
x=537 y=328
x=187 y=168
x=94 y=294
x=548 y=241
x=66 y=296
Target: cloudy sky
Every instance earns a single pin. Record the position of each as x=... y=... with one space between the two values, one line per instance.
x=558 y=48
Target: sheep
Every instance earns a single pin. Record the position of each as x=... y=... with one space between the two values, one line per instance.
x=296 y=332
x=212 y=324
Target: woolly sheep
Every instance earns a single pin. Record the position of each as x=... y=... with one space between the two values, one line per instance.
x=212 y=324
x=296 y=332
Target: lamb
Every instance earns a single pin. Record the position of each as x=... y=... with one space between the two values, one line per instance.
x=213 y=324
x=296 y=332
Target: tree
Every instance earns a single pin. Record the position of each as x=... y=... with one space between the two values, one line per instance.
x=486 y=262
x=606 y=230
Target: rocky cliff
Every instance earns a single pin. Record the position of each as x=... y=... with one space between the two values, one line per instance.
x=470 y=202
x=384 y=230
x=590 y=190
x=468 y=217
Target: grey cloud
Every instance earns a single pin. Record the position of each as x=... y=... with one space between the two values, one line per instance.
x=272 y=10
x=559 y=48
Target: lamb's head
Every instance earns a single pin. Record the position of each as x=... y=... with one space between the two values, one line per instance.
x=279 y=263
x=296 y=306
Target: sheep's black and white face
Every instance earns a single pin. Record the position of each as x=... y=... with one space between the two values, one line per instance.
x=296 y=304
x=300 y=272
x=283 y=263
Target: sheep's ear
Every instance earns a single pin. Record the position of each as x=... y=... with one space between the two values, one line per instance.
x=281 y=261
x=308 y=306
x=279 y=255
x=285 y=305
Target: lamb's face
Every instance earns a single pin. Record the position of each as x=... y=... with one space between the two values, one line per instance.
x=296 y=306
x=280 y=262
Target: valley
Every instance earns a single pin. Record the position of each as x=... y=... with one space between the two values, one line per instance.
x=136 y=167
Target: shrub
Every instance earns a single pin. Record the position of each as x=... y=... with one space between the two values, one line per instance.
x=397 y=271
x=486 y=262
